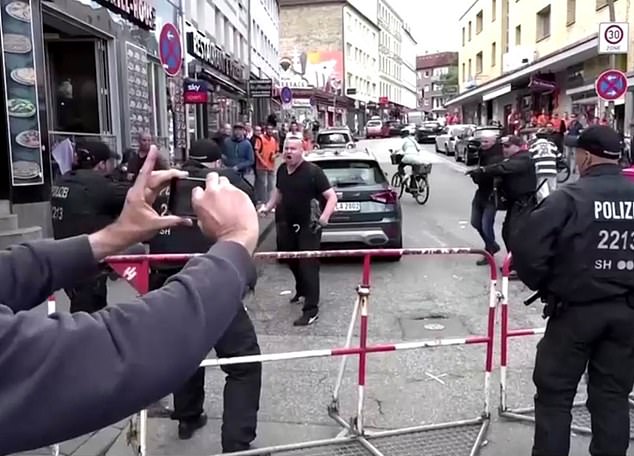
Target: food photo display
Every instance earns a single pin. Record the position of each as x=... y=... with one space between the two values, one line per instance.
x=21 y=92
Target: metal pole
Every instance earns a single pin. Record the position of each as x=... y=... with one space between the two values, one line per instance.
x=249 y=60
x=611 y=111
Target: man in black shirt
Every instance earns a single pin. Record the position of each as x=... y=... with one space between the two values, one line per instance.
x=304 y=195
x=136 y=160
x=83 y=201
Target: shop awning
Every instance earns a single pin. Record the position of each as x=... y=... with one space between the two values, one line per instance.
x=497 y=93
x=552 y=62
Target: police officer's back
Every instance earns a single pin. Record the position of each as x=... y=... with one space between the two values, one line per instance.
x=84 y=201
x=242 y=390
x=577 y=249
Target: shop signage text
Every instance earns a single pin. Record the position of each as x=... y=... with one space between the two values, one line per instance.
x=195 y=91
x=208 y=52
x=139 y=12
x=261 y=88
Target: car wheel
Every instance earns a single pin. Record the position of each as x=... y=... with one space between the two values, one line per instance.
x=437 y=148
x=457 y=156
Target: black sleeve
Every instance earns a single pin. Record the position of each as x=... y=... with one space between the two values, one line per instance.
x=535 y=239
x=279 y=180
x=238 y=181
x=321 y=181
x=99 y=369
x=31 y=272
x=510 y=166
x=114 y=197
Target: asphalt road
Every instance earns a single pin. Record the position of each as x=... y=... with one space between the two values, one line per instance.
x=417 y=298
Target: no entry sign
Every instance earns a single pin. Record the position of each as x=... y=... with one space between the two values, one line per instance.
x=611 y=85
x=170 y=49
x=613 y=37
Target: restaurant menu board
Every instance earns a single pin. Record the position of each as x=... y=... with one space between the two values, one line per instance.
x=139 y=107
x=178 y=110
x=21 y=94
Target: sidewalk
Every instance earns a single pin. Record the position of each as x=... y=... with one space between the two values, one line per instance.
x=113 y=440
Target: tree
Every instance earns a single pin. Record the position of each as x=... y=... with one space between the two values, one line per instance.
x=449 y=82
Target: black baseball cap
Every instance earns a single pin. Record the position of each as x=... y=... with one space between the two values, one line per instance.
x=599 y=140
x=205 y=151
x=238 y=126
x=95 y=152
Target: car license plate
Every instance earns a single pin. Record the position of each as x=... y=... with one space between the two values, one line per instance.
x=348 y=207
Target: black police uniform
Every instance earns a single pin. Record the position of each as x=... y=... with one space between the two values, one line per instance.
x=577 y=249
x=300 y=191
x=243 y=383
x=84 y=201
x=517 y=185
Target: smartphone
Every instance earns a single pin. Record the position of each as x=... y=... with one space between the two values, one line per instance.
x=180 y=196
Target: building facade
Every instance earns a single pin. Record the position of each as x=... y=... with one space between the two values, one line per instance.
x=120 y=90
x=408 y=68
x=534 y=56
x=217 y=56
x=436 y=81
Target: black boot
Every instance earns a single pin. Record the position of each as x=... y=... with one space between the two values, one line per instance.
x=186 y=428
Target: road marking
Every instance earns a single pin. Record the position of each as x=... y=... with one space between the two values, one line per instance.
x=436 y=377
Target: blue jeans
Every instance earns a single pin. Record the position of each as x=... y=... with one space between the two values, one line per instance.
x=483 y=220
x=264 y=185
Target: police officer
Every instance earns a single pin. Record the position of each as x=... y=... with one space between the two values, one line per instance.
x=83 y=201
x=577 y=248
x=516 y=182
x=243 y=383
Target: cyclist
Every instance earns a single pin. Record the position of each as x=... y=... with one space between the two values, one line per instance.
x=411 y=157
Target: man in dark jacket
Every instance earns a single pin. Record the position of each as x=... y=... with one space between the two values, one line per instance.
x=237 y=152
x=518 y=182
x=115 y=350
x=483 y=208
x=243 y=382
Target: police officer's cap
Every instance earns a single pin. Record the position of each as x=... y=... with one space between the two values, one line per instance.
x=599 y=140
x=205 y=151
x=89 y=153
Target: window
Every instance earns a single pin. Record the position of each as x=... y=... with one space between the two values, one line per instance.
x=494 y=52
x=479 y=62
x=426 y=88
x=352 y=172
x=464 y=41
x=470 y=68
x=332 y=139
x=464 y=73
x=494 y=10
x=543 y=24
x=469 y=30
x=571 y=12
x=479 y=21
x=518 y=35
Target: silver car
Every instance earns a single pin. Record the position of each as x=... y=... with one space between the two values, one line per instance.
x=334 y=138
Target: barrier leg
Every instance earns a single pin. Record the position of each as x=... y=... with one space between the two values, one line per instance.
x=504 y=340
x=363 y=343
x=334 y=405
x=51 y=308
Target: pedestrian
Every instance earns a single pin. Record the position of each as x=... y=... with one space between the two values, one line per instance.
x=572 y=133
x=576 y=249
x=544 y=154
x=238 y=153
x=307 y=200
x=265 y=166
x=243 y=381
x=137 y=159
x=517 y=182
x=483 y=209
x=83 y=201
x=96 y=370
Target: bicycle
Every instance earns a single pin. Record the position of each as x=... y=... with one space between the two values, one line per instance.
x=563 y=168
x=416 y=183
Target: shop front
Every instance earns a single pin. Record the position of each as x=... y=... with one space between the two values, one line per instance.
x=75 y=70
x=309 y=104
x=225 y=80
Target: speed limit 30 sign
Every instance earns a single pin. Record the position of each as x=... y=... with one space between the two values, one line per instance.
x=614 y=37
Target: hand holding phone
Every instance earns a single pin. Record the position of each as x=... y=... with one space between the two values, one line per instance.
x=180 y=196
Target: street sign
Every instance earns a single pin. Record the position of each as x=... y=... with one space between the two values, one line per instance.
x=286 y=95
x=611 y=85
x=170 y=49
x=260 y=88
x=614 y=37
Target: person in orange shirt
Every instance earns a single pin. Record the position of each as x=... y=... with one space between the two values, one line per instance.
x=307 y=141
x=265 y=166
x=543 y=118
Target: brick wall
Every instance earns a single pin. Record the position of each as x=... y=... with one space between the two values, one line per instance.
x=317 y=28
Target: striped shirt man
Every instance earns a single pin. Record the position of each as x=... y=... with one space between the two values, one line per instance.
x=544 y=154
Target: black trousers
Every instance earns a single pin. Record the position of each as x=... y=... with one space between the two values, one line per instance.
x=241 y=397
x=90 y=296
x=294 y=238
x=601 y=337
x=510 y=224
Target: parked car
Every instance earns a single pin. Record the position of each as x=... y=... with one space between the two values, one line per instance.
x=428 y=131
x=368 y=213
x=373 y=129
x=446 y=141
x=334 y=138
x=468 y=143
x=391 y=128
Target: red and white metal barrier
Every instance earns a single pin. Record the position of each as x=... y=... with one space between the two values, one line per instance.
x=51 y=308
x=136 y=268
x=506 y=333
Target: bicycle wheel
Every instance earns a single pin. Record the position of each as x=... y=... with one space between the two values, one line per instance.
x=403 y=186
x=397 y=180
x=422 y=190
x=563 y=171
